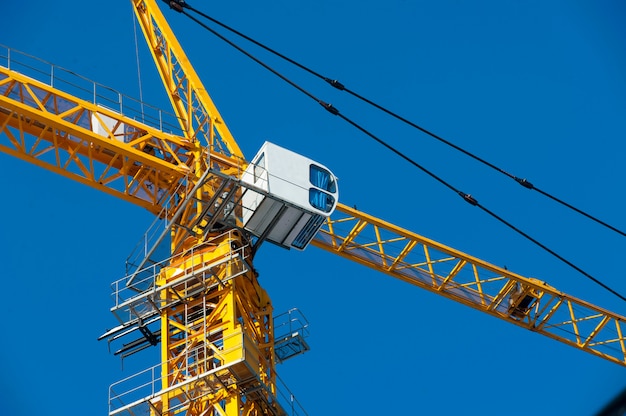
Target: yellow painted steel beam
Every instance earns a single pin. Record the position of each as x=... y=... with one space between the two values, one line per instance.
x=199 y=118
x=520 y=300
x=218 y=351
x=54 y=130
x=230 y=323
x=240 y=321
x=97 y=146
x=145 y=166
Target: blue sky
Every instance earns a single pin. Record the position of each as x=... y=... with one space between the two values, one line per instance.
x=536 y=87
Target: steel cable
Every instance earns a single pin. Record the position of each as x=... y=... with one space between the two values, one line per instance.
x=181 y=6
x=335 y=83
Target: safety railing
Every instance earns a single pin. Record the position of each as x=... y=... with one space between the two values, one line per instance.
x=288 y=400
x=204 y=371
x=155 y=244
x=145 y=284
x=88 y=90
x=291 y=322
x=290 y=330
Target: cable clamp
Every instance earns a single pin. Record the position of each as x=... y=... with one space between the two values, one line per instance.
x=177 y=5
x=468 y=198
x=329 y=107
x=524 y=183
x=335 y=83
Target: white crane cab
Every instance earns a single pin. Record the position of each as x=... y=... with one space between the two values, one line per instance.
x=296 y=195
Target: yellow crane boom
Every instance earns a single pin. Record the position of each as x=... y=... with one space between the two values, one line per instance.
x=199 y=118
x=520 y=300
x=125 y=168
x=218 y=346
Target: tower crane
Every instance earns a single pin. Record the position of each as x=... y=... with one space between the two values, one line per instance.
x=203 y=303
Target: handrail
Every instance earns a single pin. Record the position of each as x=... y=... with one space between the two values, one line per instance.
x=88 y=90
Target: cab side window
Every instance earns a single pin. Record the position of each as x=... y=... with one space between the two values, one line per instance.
x=322 y=179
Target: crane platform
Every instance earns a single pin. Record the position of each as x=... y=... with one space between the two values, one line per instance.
x=206 y=372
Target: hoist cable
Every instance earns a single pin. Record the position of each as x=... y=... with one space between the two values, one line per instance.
x=472 y=201
x=552 y=252
x=333 y=110
x=138 y=63
x=255 y=59
x=335 y=83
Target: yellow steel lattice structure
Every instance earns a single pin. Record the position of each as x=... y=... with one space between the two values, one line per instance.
x=216 y=322
x=523 y=301
x=198 y=116
x=218 y=345
x=90 y=144
x=97 y=146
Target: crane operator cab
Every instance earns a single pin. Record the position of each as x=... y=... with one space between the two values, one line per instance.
x=522 y=299
x=289 y=197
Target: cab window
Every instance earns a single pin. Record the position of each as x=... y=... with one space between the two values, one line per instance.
x=321 y=178
x=321 y=200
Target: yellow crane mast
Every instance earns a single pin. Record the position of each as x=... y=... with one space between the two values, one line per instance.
x=216 y=332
